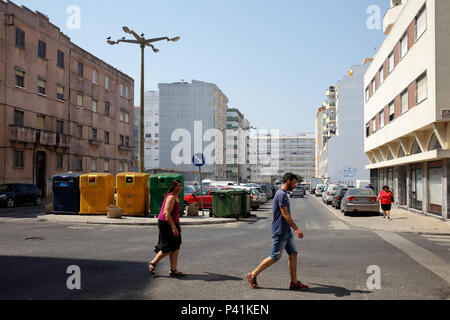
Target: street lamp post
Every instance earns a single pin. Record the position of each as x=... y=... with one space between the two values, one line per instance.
x=142 y=42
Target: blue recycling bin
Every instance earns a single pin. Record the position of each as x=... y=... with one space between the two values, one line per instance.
x=66 y=193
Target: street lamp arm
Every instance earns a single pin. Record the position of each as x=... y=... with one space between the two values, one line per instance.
x=128 y=41
x=157 y=39
x=138 y=38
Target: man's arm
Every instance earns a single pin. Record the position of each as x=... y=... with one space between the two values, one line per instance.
x=288 y=218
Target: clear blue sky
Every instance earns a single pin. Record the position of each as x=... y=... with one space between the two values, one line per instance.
x=273 y=59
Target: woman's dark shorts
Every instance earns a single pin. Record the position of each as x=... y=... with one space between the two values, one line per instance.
x=386 y=207
x=167 y=242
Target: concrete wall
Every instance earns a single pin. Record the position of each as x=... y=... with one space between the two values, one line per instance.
x=347 y=159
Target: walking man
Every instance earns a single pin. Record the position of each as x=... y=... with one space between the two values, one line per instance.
x=282 y=236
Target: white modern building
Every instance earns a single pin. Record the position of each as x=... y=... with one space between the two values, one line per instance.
x=189 y=113
x=407 y=108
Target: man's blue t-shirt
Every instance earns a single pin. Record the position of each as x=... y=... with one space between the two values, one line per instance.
x=280 y=225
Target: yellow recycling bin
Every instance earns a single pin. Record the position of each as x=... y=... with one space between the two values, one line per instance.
x=133 y=193
x=96 y=193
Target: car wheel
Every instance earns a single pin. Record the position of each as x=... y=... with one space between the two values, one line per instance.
x=10 y=203
x=38 y=201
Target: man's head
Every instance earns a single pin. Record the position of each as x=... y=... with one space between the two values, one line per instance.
x=290 y=181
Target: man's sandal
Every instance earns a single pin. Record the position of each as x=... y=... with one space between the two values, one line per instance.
x=152 y=268
x=252 y=281
x=176 y=274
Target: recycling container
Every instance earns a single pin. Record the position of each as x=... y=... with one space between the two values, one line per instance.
x=227 y=203
x=133 y=193
x=66 y=193
x=245 y=203
x=96 y=193
x=159 y=186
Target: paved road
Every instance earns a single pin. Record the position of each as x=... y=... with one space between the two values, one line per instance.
x=334 y=259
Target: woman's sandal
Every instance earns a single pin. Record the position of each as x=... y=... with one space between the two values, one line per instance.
x=176 y=274
x=152 y=268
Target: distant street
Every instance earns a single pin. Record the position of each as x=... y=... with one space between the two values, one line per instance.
x=334 y=259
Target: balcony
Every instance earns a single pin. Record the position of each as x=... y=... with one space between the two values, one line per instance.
x=391 y=17
x=32 y=135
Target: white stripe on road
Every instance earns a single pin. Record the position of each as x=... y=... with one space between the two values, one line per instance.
x=437 y=238
x=422 y=256
x=339 y=225
x=312 y=226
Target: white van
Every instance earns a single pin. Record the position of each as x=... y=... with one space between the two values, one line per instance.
x=361 y=184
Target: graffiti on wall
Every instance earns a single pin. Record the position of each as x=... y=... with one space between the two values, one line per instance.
x=348 y=172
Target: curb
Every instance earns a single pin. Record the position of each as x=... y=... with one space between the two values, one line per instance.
x=408 y=230
x=120 y=222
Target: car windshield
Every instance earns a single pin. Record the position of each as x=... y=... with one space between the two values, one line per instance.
x=6 y=187
x=361 y=192
x=189 y=190
x=337 y=188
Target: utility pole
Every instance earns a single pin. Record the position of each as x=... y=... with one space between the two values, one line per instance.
x=142 y=42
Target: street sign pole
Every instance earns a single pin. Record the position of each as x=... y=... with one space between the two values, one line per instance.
x=201 y=189
x=199 y=161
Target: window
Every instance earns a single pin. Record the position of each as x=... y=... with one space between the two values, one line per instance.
x=59 y=161
x=20 y=38
x=41 y=86
x=60 y=60
x=80 y=69
x=127 y=92
x=421 y=23
x=94 y=76
x=60 y=93
x=374 y=125
x=59 y=126
x=148 y=135
x=93 y=165
x=18 y=159
x=40 y=122
x=391 y=111
x=421 y=88
x=404 y=45
x=107 y=107
x=367 y=130
x=127 y=115
x=79 y=164
x=106 y=165
x=127 y=141
x=121 y=90
x=94 y=106
x=18 y=118
x=42 y=48
x=391 y=62
x=106 y=137
x=20 y=79
x=79 y=100
x=121 y=115
x=381 y=115
x=367 y=94
x=94 y=134
x=381 y=76
x=121 y=140
x=415 y=148
x=80 y=132
x=374 y=88
x=434 y=144
x=107 y=83
x=404 y=101
x=156 y=135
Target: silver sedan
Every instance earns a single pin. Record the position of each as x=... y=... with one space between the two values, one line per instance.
x=360 y=200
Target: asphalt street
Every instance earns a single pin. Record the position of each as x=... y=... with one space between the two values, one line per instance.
x=333 y=260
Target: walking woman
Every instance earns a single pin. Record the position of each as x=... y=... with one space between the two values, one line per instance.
x=386 y=196
x=169 y=231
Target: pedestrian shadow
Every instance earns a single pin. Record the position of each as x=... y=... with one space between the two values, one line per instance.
x=339 y=292
x=252 y=220
x=207 y=277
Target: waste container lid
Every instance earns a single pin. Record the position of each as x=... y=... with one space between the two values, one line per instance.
x=66 y=175
x=135 y=174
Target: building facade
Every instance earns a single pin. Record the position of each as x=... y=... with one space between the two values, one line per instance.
x=61 y=108
x=407 y=111
x=192 y=120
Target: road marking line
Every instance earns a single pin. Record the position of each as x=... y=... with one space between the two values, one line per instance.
x=339 y=225
x=422 y=256
x=312 y=226
x=436 y=238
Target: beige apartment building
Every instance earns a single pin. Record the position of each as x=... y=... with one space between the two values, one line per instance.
x=61 y=108
x=407 y=107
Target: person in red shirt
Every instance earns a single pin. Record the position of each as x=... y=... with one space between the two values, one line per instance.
x=386 y=196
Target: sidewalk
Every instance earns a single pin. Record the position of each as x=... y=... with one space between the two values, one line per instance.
x=137 y=221
x=402 y=221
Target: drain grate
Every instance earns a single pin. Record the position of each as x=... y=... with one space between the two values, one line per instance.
x=35 y=239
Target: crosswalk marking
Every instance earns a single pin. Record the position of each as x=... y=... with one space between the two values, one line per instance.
x=443 y=241
x=339 y=225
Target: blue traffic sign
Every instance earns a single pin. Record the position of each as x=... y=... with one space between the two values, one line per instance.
x=199 y=160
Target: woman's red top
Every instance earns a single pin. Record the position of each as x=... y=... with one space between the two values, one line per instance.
x=385 y=197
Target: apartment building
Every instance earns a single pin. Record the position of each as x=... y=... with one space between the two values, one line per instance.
x=407 y=110
x=188 y=112
x=61 y=108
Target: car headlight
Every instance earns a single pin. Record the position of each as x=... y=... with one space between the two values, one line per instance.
x=2 y=196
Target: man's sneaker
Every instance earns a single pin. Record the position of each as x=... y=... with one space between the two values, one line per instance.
x=252 y=281
x=298 y=286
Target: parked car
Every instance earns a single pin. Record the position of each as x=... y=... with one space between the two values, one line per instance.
x=188 y=189
x=360 y=200
x=298 y=192
x=255 y=197
x=12 y=195
x=319 y=190
x=330 y=192
x=267 y=191
x=197 y=196
x=337 y=199
x=258 y=187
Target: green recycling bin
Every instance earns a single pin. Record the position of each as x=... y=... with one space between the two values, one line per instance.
x=227 y=203
x=245 y=203
x=159 y=186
